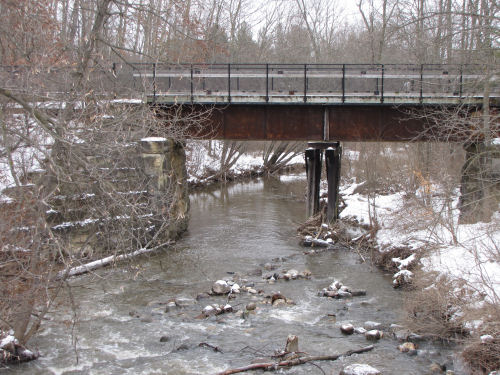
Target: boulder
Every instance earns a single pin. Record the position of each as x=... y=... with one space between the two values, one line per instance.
x=374 y=334
x=209 y=311
x=305 y=274
x=359 y=369
x=251 y=306
x=293 y=274
x=279 y=302
x=406 y=347
x=221 y=287
x=170 y=306
x=347 y=329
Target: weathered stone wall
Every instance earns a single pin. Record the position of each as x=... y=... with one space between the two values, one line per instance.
x=165 y=165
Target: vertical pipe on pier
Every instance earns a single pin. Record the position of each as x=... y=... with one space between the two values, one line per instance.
x=313 y=171
x=333 y=157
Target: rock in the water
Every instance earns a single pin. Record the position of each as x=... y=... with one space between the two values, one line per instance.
x=331 y=293
x=406 y=347
x=335 y=285
x=293 y=274
x=374 y=334
x=221 y=287
x=279 y=302
x=292 y=344
x=184 y=301
x=164 y=339
x=235 y=288
x=347 y=329
x=252 y=291
x=369 y=325
x=276 y=296
x=359 y=369
x=251 y=306
x=209 y=311
x=170 y=306
x=305 y=274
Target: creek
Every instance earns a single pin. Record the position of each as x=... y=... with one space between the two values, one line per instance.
x=234 y=229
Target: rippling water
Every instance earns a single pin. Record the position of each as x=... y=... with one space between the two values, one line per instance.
x=233 y=229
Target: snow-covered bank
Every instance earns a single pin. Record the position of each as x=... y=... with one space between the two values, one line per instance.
x=469 y=252
x=205 y=163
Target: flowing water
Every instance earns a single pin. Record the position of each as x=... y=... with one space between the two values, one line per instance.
x=233 y=230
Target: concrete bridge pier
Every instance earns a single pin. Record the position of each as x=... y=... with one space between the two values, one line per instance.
x=314 y=159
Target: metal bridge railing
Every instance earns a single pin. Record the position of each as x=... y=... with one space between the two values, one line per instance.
x=299 y=82
x=306 y=81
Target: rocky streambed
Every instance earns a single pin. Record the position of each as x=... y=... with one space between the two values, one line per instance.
x=230 y=294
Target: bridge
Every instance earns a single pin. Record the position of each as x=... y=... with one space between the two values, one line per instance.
x=326 y=103
x=314 y=102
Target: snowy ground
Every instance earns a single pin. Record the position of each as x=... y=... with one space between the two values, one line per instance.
x=469 y=252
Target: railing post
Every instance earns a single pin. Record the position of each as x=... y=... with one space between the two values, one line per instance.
x=169 y=78
x=237 y=80
x=421 y=83
x=229 y=83
x=382 y=85
x=305 y=83
x=192 y=88
x=267 y=83
x=461 y=82
x=343 y=83
x=154 y=82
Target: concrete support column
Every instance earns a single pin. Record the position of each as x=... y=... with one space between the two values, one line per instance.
x=313 y=171
x=333 y=161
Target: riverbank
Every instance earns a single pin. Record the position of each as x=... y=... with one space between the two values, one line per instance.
x=451 y=271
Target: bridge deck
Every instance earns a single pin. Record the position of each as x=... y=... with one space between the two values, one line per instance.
x=241 y=97
x=337 y=102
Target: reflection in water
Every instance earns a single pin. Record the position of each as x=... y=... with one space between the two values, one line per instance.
x=233 y=229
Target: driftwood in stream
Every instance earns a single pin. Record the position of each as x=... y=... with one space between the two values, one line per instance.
x=104 y=262
x=294 y=362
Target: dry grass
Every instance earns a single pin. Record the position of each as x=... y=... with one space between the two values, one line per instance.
x=435 y=307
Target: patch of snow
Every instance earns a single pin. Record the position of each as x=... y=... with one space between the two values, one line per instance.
x=404 y=263
x=7 y=340
x=154 y=139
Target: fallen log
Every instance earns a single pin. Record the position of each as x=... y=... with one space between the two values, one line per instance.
x=104 y=262
x=295 y=361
